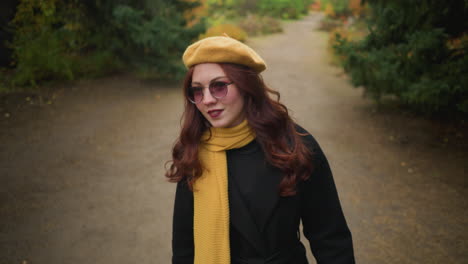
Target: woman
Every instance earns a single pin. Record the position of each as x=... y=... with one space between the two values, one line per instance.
x=246 y=174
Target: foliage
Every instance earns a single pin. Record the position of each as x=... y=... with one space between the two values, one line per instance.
x=233 y=8
x=34 y=63
x=69 y=39
x=151 y=44
x=413 y=53
x=286 y=9
x=329 y=24
x=255 y=17
x=232 y=31
x=357 y=8
x=219 y=18
x=337 y=8
x=45 y=39
x=195 y=14
x=355 y=32
x=257 y=25
x=329 y=10
x=340 y=13
x=149 y=36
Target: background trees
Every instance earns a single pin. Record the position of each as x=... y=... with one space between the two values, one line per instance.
x=416 y=52
x=67 y=39
x=70 y=39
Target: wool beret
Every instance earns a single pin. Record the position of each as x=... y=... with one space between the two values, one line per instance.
x=222 y=49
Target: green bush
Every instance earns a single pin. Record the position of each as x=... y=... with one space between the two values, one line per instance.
x=41 y=58
x=340 y=7
x=286 y=9
x=97 y=64
x=152 y=44
x=148 y=36
x=69 y=39
x=223 y=11
x=231 y=30
x=44 y=41
x=409 y=54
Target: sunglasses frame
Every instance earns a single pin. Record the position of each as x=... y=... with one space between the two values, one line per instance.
x=226 y=84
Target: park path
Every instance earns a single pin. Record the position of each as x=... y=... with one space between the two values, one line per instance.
x=82 y=179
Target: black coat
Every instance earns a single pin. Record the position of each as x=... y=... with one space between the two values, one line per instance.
x=265 y=226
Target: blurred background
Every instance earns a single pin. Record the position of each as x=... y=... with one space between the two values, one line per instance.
x=90 y=103
x=413 y=52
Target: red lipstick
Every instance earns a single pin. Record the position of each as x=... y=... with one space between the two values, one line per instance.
x=215 y=113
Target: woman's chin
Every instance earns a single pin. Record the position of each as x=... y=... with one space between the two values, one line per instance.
x=218 y=123
x=221 y=123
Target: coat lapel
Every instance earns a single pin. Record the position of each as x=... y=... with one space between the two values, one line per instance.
x=242 y=220
x=267 y=196
x=251 y=222
x=265 y=201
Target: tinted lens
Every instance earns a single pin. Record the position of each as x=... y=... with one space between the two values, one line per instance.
x=218 y=89
x=195 y=94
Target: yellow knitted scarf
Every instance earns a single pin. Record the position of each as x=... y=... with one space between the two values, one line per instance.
x=211 y=204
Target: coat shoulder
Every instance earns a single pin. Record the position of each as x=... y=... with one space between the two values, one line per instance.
x=308 y=139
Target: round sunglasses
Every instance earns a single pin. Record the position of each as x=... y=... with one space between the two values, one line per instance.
x=217 y=89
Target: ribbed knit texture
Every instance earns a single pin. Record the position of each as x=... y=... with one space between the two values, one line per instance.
x=211 y=202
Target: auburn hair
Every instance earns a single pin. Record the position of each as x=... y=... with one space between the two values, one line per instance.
x=274 y=129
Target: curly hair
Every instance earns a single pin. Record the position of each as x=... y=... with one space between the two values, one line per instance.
x=275 y=132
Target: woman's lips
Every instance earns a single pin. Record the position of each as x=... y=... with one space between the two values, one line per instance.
x=214 y=113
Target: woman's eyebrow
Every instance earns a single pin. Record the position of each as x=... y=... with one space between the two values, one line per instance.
x=219 y=77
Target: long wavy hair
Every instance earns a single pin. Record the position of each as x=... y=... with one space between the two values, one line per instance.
x=275 y=132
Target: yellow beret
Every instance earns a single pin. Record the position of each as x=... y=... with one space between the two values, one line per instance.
x=222 y=49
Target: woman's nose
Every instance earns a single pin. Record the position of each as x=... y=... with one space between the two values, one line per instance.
x=208 y=98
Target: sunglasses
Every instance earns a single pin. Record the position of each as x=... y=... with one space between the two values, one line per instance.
x=217 y=89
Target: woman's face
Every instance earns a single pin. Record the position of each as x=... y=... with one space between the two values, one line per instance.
x=222 y=112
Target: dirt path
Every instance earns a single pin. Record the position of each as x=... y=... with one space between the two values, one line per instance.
x=82 y=178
